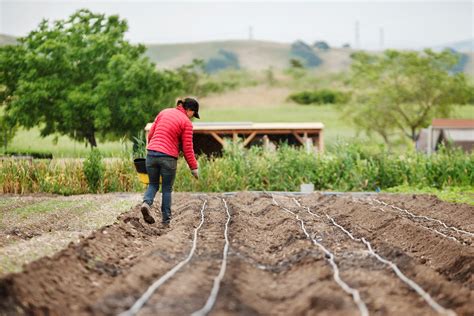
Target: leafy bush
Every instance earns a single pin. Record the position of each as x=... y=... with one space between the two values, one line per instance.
x=33 y=154
x=94 y=170
x=323 y=96
x=139 y=146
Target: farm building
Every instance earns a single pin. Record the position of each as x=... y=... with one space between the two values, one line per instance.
x=209 y=137
x=458 y=133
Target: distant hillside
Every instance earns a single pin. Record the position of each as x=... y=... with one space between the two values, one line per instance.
x=7 y=40
x=259 y=55
x=254 y=55
x=466 y=46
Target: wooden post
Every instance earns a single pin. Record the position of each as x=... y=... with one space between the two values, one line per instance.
x=321 y=141
x=249 y=138
x=266 y=142
x=307 y=143
x=218 y=138
x=298 y=137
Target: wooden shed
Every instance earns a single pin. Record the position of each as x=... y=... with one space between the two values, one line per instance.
x=456 y=132
x=209 y=138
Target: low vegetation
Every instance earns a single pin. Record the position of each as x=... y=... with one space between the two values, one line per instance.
x=323 y=96
x=348 y=167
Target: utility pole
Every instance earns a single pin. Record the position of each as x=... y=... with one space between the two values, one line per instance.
x=381 y=38
x=357 y=35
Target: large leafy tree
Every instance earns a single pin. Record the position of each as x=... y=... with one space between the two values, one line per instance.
x=80 y=77
x=11 y=64
x=398 y=93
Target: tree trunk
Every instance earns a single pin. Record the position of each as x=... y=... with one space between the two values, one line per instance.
x=413 y=134
x=5 y=141
x=91 y=140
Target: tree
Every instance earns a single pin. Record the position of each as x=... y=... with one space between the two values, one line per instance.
x=305 y=53
x=11 y=66
x=401 y=92
x=321 y=45
x=296 y=63
x=80 y=77
x=225 y=59
x=8 y=129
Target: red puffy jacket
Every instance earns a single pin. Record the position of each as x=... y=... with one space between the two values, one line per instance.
x=172 y=127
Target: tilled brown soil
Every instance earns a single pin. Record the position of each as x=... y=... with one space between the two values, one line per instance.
x=287 y=255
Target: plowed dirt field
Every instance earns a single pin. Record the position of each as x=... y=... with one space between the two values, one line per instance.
x=261 y=254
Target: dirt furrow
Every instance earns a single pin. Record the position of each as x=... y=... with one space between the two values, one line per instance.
x=459 y=215
x=380 y=289
x=274 y=266
x=440 y=266
x=273 y=269
x=435 y=225
x=76 y=277
x=188 y=290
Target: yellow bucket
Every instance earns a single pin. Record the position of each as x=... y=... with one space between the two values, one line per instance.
x=140 y=166
x=143 y=177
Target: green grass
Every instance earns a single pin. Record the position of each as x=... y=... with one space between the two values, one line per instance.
x=450 y=194
x=31 y=141
x=48 y=206
x=334 y=126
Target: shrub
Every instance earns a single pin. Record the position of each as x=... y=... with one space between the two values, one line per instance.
x=34 y=154
x=94 y=170
x=323 y=96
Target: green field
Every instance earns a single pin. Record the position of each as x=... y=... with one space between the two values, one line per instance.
x=335 y=127
x=31 y=141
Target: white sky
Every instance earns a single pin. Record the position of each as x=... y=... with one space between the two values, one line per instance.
x=406 y=24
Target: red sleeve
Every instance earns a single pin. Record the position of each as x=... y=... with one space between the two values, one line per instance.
x=152 y=129
x=188 y=149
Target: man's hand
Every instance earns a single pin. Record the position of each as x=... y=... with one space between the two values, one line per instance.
x=195 y=173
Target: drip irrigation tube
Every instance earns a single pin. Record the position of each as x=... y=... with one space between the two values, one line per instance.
x=217 y=281
x=149 y=292
x=421 y=225
x=330 y=257
x=461 y=231
x=428 y=299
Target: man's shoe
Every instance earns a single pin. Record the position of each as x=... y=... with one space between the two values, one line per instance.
x=166 y=223
x=146 y=213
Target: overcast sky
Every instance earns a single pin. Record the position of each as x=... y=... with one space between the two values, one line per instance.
x=405 y=24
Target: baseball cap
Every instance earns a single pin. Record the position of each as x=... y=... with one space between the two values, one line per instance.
x=192 y=104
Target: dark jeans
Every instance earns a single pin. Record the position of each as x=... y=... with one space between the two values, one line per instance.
x=164 y=166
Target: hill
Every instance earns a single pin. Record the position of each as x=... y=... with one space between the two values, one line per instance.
x=7 y=40
x=254 y=55
x=466 y=46
x=259 y=55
